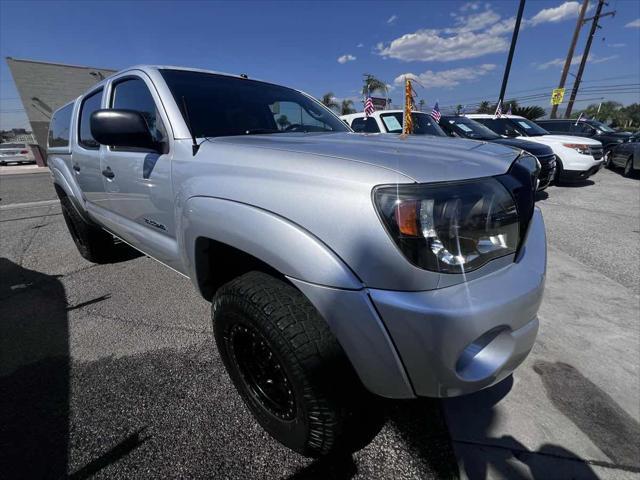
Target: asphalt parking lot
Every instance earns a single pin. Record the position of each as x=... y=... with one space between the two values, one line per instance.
x=110 y=370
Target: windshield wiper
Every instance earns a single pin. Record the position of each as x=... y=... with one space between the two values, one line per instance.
x=261 y=131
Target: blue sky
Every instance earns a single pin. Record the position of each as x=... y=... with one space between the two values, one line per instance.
x=457 y=50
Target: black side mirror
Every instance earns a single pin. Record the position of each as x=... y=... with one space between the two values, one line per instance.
x=123 y=128
x=512 y=133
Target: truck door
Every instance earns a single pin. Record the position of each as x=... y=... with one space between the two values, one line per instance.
x=138 y=182
x=85 y=160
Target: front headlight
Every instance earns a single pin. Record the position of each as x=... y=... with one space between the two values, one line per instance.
x=451 y=227
x=578 y=147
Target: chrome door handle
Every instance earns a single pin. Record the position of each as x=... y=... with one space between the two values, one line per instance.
x=76 y=167
x=107 y=172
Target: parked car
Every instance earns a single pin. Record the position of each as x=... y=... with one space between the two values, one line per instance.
x=464 y=127
x=577 y=158
x=16 y=153
x=336 y=263
x=627 y=156
x=587 y=128
x=390 y=121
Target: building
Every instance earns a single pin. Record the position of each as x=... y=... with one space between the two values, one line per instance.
x=44 y=87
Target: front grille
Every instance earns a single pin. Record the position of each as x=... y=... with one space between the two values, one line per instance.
x=596 y=152
x=547 y=170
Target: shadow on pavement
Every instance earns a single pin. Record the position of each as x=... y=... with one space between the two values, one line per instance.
x=35 y=378
x=482 y=455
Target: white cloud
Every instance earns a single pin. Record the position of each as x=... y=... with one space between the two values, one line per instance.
x=392 y=19
x=360 y=45
x=474 y=34
x=562 y=12
x=616 y=45
x=447 y=78
x=433 y=45
x=634 y=24
x=470 y=6
x=559 y=62
x=347 y=57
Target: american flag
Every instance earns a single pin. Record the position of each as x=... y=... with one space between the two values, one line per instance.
x=498 y=109
x=368 y=107
x=435 y=113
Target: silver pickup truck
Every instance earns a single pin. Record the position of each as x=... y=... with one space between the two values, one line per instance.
x=338 y=265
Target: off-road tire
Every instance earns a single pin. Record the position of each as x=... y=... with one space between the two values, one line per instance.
x=331 y=412
x=606 y=159
x=93 y=243
x=557 y=179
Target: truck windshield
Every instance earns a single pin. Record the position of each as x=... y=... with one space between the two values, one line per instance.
x=423 y=124
x=219 y=105
x=468 y=128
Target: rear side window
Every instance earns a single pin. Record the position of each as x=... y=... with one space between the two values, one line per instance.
x=60 y=126
x=133 y=94
x=365 y=125
x=557 y=126
x=89 y=105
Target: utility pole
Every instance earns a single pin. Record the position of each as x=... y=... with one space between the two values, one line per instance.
x=514 y=39
x=585 y=54
x=572 y=47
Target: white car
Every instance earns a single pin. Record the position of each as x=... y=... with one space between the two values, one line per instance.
x=577 y=158
x=15 y=153
x=390 y=121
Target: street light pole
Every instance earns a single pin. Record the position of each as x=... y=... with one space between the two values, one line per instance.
x=572 y=47
x=514 y=39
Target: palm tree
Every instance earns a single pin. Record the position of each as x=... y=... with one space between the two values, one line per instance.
x=485 y=107
x=371 y=84
x=283 y=121
x=329 y=101
x=531 y=112
x=346 y=107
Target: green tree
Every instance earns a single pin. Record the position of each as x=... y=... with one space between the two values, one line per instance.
x=346 y=107
x=283 y=121
x=329 y=101
x=372 y=84
x=459 y=109
x=531 y=112
x=485 y=107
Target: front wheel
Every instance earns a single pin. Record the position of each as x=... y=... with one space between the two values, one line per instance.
x=628 y=168
x=607 y=160
x=289 y=368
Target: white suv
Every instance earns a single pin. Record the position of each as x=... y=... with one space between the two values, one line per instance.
x=390 y=121
x=577 y=158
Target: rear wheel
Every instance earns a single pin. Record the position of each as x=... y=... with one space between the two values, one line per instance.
x=93 y=243
x=289 y=368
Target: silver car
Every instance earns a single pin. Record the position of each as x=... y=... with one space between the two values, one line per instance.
x=338 y=265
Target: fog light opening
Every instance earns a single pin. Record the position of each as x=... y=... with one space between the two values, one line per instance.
x=486 y=355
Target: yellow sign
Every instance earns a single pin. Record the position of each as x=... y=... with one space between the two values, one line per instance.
x=556 y=96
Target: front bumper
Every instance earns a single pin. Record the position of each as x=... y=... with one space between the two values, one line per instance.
x=580 y=175
x=444 y=342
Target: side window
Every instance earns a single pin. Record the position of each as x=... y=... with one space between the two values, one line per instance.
x=89 y=105
x=553 y=126
x=60 y=126
x=133 y=94
x=365 y=125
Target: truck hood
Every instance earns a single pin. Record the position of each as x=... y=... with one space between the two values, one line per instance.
x=559 y=139
x=422 y=158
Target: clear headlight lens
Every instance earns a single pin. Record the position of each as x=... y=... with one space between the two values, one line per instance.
x=579 y=147
x=451 y=227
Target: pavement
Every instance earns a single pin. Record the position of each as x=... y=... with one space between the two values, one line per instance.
x=110 y=370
